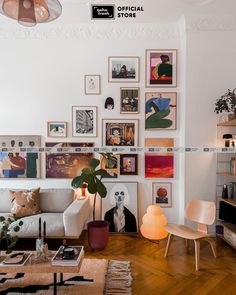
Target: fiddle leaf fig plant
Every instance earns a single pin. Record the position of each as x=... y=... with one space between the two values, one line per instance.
x=227 y=102
x=92 y=177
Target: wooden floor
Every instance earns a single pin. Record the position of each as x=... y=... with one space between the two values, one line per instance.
x=153 y=274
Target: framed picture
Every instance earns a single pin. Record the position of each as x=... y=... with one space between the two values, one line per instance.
x=122 y=197
x=84 y=121
x=161 y=68
x=92 y=84
x=159 y=165
x=162 y=194
x=128 y=164
x=129 y=100
x=57 y=129
x=160 y=110
x=112 y=170
x=67 y=163
x=118 y=132
x=123 y=69
x=19 y=157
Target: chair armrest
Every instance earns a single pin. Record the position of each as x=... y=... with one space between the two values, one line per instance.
x=75 y=216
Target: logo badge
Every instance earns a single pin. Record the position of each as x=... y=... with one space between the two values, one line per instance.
x=102 y=11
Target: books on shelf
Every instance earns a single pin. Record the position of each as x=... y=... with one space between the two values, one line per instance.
x=16 y=259
x=68 y=256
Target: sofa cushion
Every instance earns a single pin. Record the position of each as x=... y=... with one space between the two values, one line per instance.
x=55 y=200
x=54 y=225
x=5 y=203
x=24 y=203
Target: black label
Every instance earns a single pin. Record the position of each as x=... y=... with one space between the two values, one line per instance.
x=102 y=11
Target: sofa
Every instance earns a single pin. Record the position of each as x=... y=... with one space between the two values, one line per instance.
x=65 y=217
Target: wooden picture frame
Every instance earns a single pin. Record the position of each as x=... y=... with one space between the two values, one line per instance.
x=123 y=69
x=161 y=68
x=162 y=194
x=129 y=100
x=56 y=129
x=92 y=84
x=84 y=121
x=128 y=164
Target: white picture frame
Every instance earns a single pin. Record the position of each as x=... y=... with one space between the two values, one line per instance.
x=84 y=121
x=92 y=84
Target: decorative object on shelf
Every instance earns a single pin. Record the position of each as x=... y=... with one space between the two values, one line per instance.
x=120 y=208
x=97 y=229
x=110 y=163
x=66 y=164
x=18 y=158
x=128 y=164
x=84 y=121
x=232 y=163
x=225 y=192
x=9 y=230
x=227 y=103
x=92 y=84
x=120 y=132
x=109 y=103
x=129 y=100
x=123 y=69
x=161 y=68
x=31 y=12
x=154 y=222
x=41 y=247
x=227 y=138
x=57 y=129
x=162 y=194
x=161 y=109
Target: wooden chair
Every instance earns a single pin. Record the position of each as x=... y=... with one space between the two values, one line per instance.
x=201 y=212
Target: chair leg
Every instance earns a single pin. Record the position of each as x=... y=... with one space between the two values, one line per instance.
x=213 y=246
x=168 y=245
x=197 y=253
x=186 y=243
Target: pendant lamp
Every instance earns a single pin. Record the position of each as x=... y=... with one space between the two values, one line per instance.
x=31 y=12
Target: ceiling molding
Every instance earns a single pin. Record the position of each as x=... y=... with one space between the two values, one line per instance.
x=92 y=32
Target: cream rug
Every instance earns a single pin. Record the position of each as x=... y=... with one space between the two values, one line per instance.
x=109 y=277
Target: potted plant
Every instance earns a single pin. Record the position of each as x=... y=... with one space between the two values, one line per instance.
x=8 y=231
x=227 y=103
x=92 y=176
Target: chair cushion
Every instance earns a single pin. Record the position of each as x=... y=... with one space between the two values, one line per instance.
x=54 y=225
x=24 y=203
x=5 y=203
x=55 y=200
x=184 y=232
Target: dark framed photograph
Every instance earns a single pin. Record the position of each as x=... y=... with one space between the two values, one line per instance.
x=129 y=100
x=92 y=84
x=57 y=129
x=161 y=68
x=128 y=164
x=121 y=201
x=84 y=121
x=162 y=194
x=118 y=132
x=123 y=69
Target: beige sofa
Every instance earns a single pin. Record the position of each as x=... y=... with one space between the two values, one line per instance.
x=64 y=217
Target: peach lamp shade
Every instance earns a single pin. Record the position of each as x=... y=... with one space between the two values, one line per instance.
x=154 y=222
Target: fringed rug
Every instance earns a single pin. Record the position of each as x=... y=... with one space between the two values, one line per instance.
x=109 y=277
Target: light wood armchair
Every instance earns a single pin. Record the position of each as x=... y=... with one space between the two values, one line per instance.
x=201 y=212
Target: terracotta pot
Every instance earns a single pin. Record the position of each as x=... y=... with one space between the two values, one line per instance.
x=98 y=232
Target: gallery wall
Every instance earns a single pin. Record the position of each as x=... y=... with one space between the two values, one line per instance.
x=42 y=77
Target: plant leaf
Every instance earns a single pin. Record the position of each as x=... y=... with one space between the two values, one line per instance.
x=94 y=163
x=77 y=181
x=86 y=171
x=2 y=218
x=92 y=188
x=101 y=172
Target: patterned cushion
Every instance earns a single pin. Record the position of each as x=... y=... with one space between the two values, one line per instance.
x=25 y=203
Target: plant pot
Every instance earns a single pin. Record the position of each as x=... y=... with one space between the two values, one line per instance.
x=98 y=232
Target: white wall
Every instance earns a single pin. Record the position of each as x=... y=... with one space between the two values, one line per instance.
x=41 y=78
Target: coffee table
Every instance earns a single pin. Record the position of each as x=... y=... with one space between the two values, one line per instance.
x=43 y=267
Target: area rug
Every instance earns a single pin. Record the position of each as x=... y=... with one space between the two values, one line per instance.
x=101 y=277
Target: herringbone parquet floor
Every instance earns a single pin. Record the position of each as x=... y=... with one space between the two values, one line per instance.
x=153 y=274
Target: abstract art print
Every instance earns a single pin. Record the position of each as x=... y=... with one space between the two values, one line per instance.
x=57 y=129
x=92 y=84
x=118 y=132
x=160 y=110
x=19 y=156
x=120 y=207
x=159 y=165
x=162 y=194
x=123 y=69
x=128 y=164
x=111 y=167
x=129 y=100
x=84 y=121
x=66 y=159
x=161 y=68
